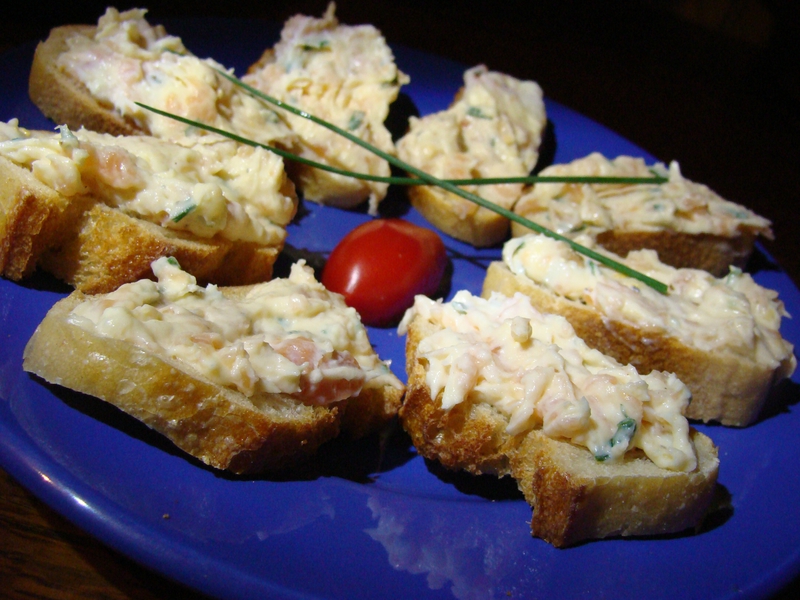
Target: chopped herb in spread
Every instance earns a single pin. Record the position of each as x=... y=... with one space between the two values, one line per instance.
x=188 y=206
x=356 y=119
x=474 y=111
x=321 y=45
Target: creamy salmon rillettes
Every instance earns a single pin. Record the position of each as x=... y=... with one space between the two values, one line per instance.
x=125 y=60
x=206 y=186
x=288 y=336
x=732 y=314
x=679 y=204
x=534 y=370
x=346 y=75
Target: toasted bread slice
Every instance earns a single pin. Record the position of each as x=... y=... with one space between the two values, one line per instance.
x=65 y=99
x=575 y=498
x=468 y=437
x=576 y=494
x=95 y=261
x=493 y=129
x=215 y=422
x=686 y=223
x=33 y=218
x=92 y=76
x=96 y=210
x=344 y=74
x=729 y=379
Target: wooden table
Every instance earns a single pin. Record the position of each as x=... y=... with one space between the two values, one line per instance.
x=682 y=80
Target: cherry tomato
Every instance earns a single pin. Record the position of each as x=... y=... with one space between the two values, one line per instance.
x=382 y=264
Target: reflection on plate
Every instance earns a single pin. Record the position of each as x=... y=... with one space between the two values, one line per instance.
x=372 y=519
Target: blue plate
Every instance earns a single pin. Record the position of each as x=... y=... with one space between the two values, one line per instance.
x=372 y=519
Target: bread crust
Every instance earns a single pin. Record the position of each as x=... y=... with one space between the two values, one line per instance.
x=574 y=497
x=217 y=425
x=478 y=226
x=95 y=261
x=33 y=218
x=706 y=251
x=64 y=99
x=725 y=387
x=469 y=437
x=712 y=253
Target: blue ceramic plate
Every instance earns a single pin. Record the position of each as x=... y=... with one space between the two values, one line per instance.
x=372 y=519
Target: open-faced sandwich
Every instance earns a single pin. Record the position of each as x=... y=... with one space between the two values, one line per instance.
x=495 y=386
x=243 y=378
x=720 y=336
x=92 y=76
x=96 y=209
x=347 y=76
x=493 y=129
x=685 y=222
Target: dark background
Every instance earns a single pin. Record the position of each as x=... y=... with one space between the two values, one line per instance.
x=713 y=84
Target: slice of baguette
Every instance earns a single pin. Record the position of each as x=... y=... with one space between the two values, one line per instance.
x=493 y=128
x=92 y=76
x=216 y=424
x=469 y=437
x=686 y=223
x=712 y=253
x=475 y=225
x=96 y=248
x=33 y=218
x=574 y=496
x=726 y=387
x=346 y=75
x=109 y=248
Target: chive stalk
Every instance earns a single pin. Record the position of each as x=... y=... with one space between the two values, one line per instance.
x=394 y=180
x=417 y=173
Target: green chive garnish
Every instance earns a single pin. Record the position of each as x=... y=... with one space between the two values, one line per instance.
x=531 y=179
x=418 y=173
x=625 y=431
x=183 y=213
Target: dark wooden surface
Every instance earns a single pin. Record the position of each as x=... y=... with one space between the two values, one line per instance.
x=709 y=83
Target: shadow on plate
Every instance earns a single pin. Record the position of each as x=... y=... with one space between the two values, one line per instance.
x=548 y=147
x=488 y=487
x=399 y=112
x=781 y=397
x=358 y=461
x=759 y=261
x=291 y=254
x=45 y=282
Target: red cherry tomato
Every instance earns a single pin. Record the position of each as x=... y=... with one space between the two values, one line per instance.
x=382 y=264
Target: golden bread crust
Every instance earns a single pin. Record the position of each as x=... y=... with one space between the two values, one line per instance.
x=712 y=253
x=96 y=248
x=32 y=218
x=214 y=424
x=725 y=387
x=371 y=410
x=706 y=251
x=470 y=436
x=479 y=226
x=574 y=497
